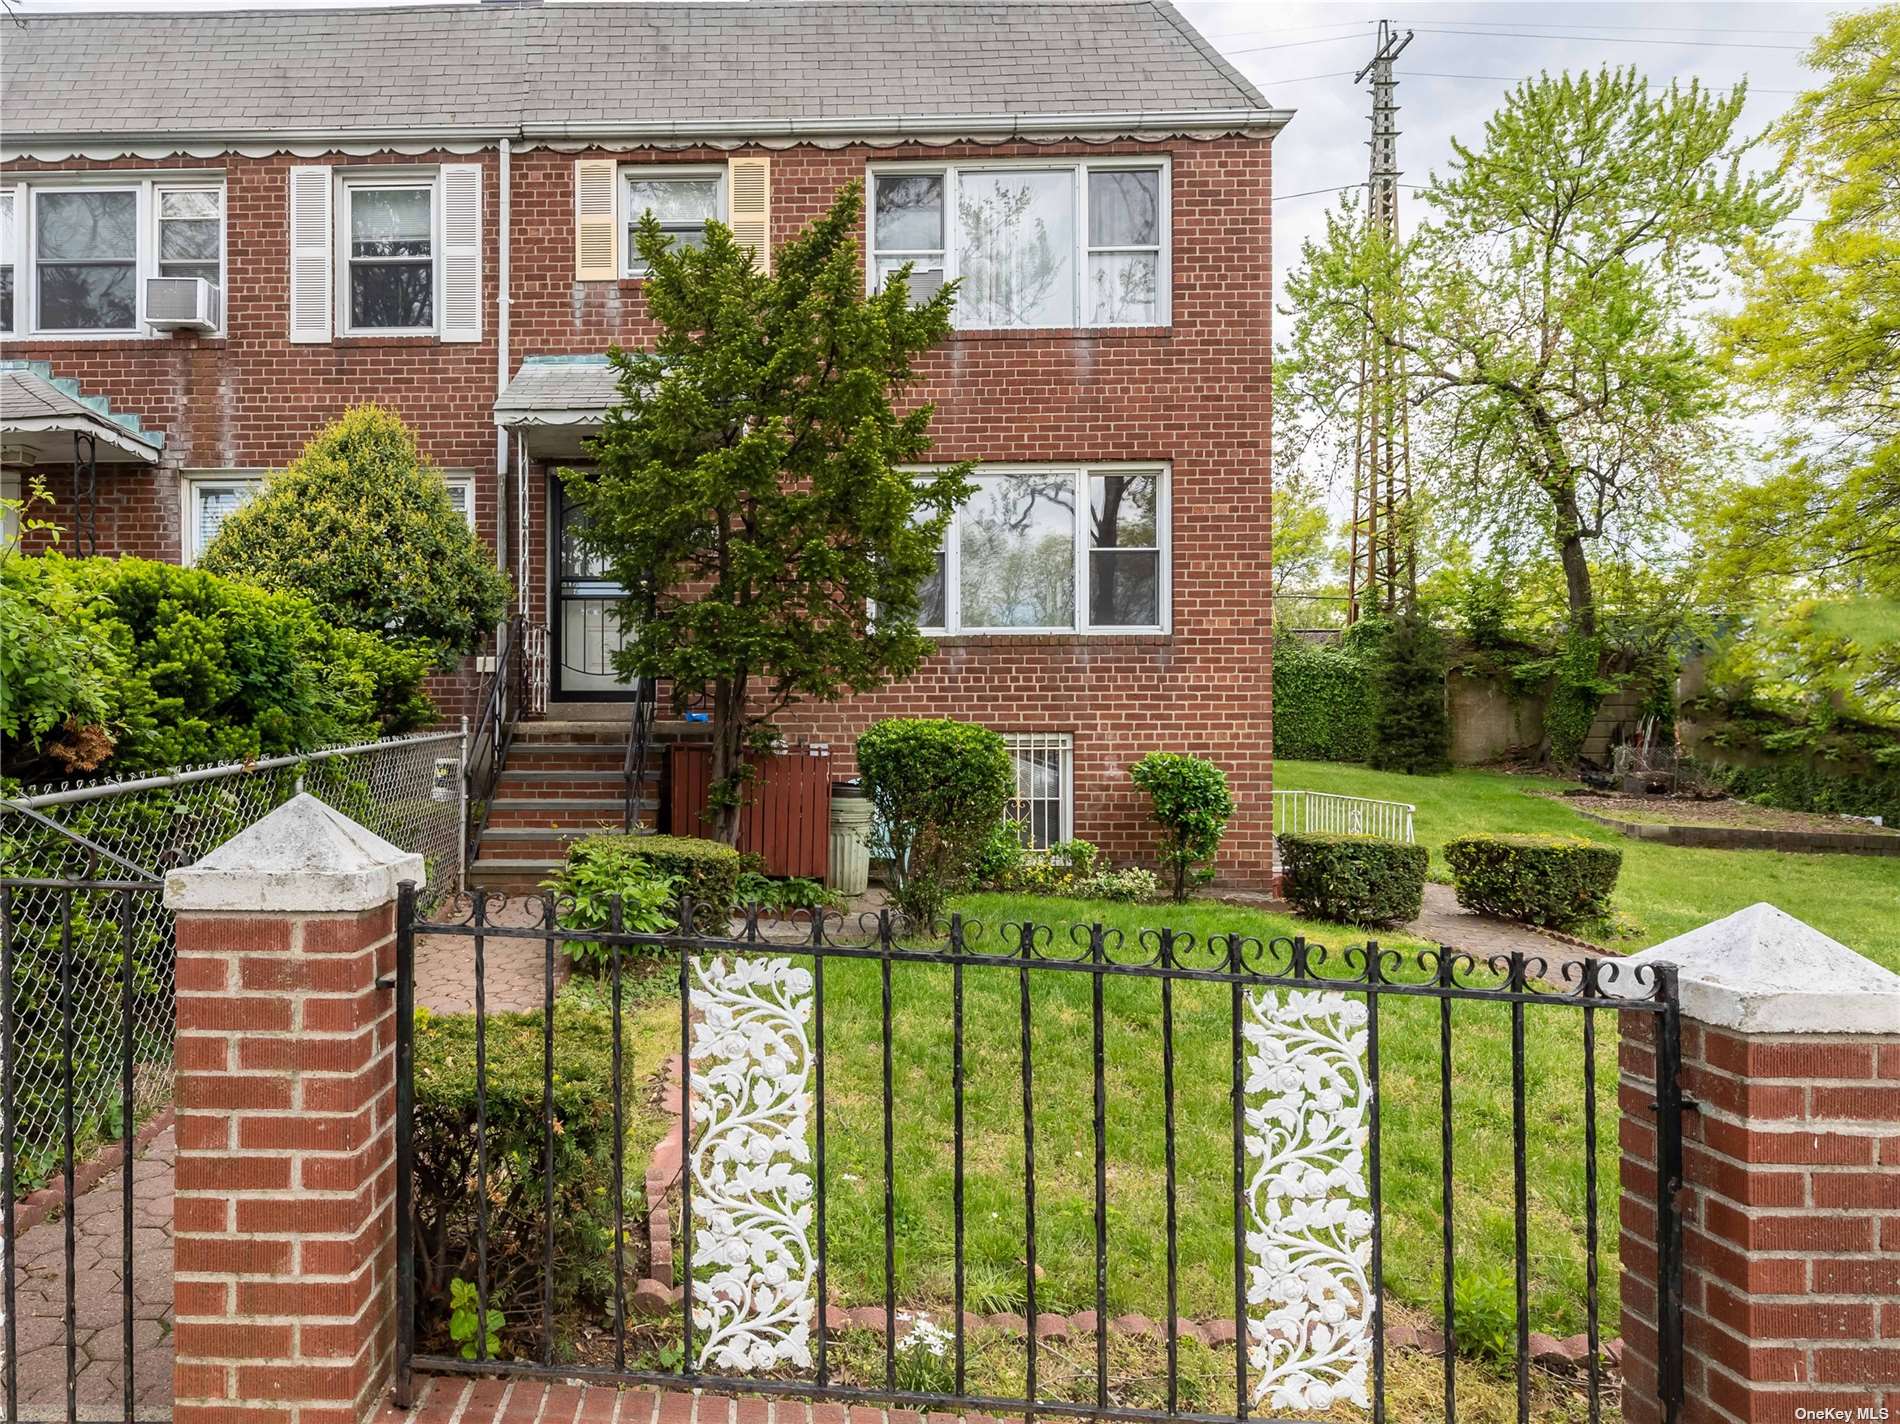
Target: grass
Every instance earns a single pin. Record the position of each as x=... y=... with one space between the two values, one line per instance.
x=1663 y=890
x=1063 y=1062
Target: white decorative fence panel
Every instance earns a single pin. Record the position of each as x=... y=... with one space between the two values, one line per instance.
x=1327 y=813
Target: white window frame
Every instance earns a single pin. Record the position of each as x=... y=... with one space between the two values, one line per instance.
x=630 y=264
x=11 y=485
x=158 y=227
x=10 y=254
x=954 y=626
x=1080 y=168
x=192 y=489
x=147 y=184
x=352 y=181
x=1063 y=744
x=466 y=484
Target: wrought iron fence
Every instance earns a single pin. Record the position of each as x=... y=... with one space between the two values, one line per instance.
x=76 y=1036
x=1152 y=1123
x=408 y=790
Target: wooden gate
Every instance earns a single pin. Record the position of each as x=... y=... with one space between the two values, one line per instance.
x=787 y=816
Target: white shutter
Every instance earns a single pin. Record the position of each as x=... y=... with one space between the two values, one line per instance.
x=310 y=270
x=596 y=220
x=462 y=252
x=749 y=207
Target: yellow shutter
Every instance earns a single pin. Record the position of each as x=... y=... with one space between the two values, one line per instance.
x=749 y=207
x=595 y=221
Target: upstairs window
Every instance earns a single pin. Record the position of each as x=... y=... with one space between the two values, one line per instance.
x=8 y=236
x=682 y=199
x=389 y=228
x=75 y=253
x=191 y=233
x=86 y=259
x=1061 y=245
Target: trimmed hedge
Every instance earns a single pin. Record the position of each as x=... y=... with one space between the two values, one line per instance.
x=445 y=1141
x=1355 y=880
x=1322 y=701
x=1542 y=880
x=708 y=871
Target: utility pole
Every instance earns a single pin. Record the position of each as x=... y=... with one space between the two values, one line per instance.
x=1384 y=568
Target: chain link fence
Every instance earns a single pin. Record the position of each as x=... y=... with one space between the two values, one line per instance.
x=128 y=833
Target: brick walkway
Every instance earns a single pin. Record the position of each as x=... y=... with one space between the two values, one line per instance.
x=513 y=970
x=41 y=1298
x=1443 y=921
x=455 y=1401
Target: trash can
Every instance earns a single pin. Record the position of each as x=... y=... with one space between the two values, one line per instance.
x=850 y=871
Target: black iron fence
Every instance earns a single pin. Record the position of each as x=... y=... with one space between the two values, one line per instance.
x=83 y=963
x=930 y=1171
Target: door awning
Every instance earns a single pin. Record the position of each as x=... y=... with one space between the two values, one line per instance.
x=556 y=402
x=43 y=419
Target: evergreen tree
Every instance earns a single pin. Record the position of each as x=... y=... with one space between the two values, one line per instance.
x=1411 y=732
x=755 y=477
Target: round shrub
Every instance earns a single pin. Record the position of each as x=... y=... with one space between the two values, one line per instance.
x=361 y=525
x=1541 y=880
x=1354 y=880
x=598 y=867
x=1191 y=804
x=939 y=787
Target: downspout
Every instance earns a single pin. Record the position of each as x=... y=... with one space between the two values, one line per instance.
x=503 y=302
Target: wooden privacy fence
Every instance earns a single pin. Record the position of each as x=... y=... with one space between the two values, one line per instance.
x=787 y=816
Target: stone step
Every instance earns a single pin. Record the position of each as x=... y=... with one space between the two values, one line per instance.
x=598 y=813
x=562 y=785
x=564 y=756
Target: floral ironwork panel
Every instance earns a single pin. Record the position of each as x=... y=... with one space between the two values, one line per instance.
x=752 y=1198
x=1309 y=1226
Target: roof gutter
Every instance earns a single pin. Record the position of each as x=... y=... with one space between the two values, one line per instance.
x=985 y=125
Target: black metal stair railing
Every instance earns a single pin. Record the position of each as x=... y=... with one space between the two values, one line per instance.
x=499 y=710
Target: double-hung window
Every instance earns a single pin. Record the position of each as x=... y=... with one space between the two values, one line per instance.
x=9 y=237
x=74 y=252
x=389 y=230
x=86 y=259
x=1054 y=550
x=191 y=233
x=1081 y=243
x=682 y=200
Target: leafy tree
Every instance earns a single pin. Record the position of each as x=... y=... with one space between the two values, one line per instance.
x=1542 y=309
x=1411 y=731
x=752 y=478
x=1819 y=335
x=361 y=525
x=940 y=788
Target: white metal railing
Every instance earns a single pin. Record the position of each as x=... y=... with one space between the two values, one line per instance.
x=1327 y=813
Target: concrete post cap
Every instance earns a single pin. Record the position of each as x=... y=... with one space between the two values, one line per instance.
x=1760 y=970
x=303 y=858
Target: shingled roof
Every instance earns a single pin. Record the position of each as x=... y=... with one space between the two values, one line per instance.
x=552 y=68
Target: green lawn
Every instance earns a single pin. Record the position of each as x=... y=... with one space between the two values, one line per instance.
x=1062 y=1052
x=1663 y=889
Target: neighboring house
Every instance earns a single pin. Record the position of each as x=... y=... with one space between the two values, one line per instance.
x=217 y=230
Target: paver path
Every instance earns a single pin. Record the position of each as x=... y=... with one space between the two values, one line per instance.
x=40 y=1299
x=493 y=1401
x=1444 y=921
x=513 y=970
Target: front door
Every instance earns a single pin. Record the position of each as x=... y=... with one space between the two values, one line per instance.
x=587 y=604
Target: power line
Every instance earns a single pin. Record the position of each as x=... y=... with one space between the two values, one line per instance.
x=1517 y=78
x=1294 y=44
x=1650 y=29
x=1599 y=39
x=1312 y=192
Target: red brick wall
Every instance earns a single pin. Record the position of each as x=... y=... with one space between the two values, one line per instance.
x=1791 y=1225
x=1195 y=394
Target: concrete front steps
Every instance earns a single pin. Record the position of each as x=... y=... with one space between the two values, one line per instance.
x=561 y=781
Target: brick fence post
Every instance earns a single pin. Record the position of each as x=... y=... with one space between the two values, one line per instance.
x=284 y=1233
x=1790 y=1198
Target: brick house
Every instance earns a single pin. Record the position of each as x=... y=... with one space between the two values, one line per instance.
x=217 y=230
